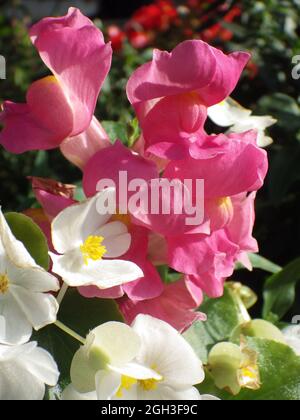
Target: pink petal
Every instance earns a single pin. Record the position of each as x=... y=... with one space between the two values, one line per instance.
x=174 y=120
x=74 y=50
x=174 y=306
x=94 y=292
x=53 y=196
x=40 y=124
x=190 y=66
x=150 y=286
x=80 y=149
x=109 y=162
x=228 y=71
x=225 y=175
x=240 y=230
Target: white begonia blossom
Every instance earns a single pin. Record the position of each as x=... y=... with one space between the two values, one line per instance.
x=230 y=113
x=148 y=361
x=24 y=303
x=88 y=243
x=24 y=371
x=292 y=337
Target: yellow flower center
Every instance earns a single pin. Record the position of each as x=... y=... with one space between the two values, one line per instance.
x=149 y=384
x=127 y=383
x=92 y=249
x=4 y=283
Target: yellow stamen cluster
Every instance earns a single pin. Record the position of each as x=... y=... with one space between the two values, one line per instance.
x=92 y=249
x=149 y=384
x=127 y=383
x=4 y=283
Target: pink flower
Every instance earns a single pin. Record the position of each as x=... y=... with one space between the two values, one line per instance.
x=172 y=92
x=176 y=305
x=220 y=252
x=228 y=177
x=79 y=149
x=61 y=105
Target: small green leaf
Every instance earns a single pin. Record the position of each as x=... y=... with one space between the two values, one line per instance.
x=26 y=231
x=260 y=262
x=279 y=291
x=223 y=316
x=116 y=131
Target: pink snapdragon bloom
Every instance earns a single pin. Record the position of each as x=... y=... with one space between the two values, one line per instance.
x=210 y=259
x=62 y=105
x=176 y=305
x=171 y=94
x=220 y=252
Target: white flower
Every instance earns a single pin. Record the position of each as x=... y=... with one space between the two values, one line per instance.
x=230 y=113
x=23 y=303
x=292 y=337
x=24 y=371
x=148 y=361
x=84 y=238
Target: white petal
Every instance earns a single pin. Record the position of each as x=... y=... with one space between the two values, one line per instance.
x=207 y=397
x=136 y=371
x=118 y=341
x=18 y=380
x=17 y=383
x=40 y=309
x=34 y=279
x=82 y=374
x=14 y=249
x=167 y=393
x=70 y=394
x=107 y=384
x=164 y=348
x=228 y=113
x=74 y=224
x=42 y=365
x=117 y=245
x=103 y=273
x=112 y=229
x=292 y=336
x=14 y=326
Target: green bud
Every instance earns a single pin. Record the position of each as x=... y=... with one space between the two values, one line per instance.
x=234 y=367
x=258 y=328
x=224 y=361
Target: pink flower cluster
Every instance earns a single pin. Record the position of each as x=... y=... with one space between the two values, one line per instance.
x=170 y=96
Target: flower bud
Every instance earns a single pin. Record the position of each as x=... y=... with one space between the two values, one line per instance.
x=258 y=328
x=233 y=367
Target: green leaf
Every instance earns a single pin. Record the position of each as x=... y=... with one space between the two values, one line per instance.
x=81 y=315
x=116 y=131
x=262 y=263
x=223 y=316
x=280 y=291
x=279 y=370
x=26 y=231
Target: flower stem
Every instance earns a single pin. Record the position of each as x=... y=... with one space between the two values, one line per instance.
x=62 y=293
x=70 y=332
